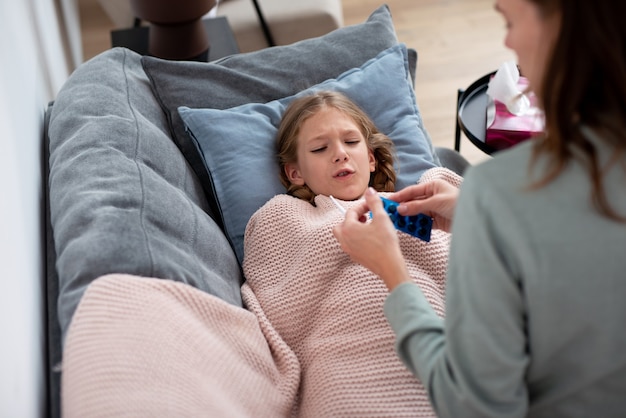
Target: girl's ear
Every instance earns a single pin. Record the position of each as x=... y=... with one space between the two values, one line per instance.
x=293 y=174
x=372 y=160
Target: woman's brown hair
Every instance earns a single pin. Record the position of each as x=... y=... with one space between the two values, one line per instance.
x=383 y=178
x=584 y=84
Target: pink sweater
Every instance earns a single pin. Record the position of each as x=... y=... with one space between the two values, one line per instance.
x=312 y=342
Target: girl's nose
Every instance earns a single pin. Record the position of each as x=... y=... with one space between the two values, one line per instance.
x=340 y=154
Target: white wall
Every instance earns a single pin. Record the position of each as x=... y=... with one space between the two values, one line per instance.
x=34 y=66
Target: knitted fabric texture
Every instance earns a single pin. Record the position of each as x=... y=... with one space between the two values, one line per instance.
x=329 y=310
x=313 y=341
x=145 y=347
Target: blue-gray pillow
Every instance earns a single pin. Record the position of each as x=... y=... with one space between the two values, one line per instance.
x=238 y=144
x=262 y=76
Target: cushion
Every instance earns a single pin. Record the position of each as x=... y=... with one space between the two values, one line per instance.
x=262 y=76
x=238 y=144
x=122 y=197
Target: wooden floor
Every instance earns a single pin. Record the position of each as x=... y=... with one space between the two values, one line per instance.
x=457 y=41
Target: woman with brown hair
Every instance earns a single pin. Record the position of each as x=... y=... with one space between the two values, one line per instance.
x=536 y=276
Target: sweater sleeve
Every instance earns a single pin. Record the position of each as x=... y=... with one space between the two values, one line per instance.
x=472 y=363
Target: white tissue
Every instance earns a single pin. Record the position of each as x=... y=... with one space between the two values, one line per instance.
x=503 y=88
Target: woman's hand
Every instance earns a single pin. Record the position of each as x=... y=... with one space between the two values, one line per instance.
x=375 y=244
x=436 y=199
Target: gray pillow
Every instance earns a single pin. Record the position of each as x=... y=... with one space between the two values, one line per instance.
x=263 y=76
x=122 y=197
x=244 y=137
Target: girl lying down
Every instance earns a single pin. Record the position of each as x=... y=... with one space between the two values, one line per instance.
x=313 y=341
x=328 y=309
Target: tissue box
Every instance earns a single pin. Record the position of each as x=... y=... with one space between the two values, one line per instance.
x=504 y=129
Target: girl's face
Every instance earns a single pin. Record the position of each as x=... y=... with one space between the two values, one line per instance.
x=530 y=35
x=333 y=157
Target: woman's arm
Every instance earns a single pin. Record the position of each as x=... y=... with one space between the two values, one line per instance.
x=475 y=364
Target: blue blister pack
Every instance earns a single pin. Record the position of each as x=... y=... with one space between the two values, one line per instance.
x=419 y=225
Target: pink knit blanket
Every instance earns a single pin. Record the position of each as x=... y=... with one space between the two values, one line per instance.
x=313 y=340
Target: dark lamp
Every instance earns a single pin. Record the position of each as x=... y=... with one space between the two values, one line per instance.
x=176 y=29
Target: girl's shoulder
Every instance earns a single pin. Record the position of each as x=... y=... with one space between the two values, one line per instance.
x=281 y=202
x=279 y=208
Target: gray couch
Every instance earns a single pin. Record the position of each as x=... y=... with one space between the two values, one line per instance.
x=128 y=190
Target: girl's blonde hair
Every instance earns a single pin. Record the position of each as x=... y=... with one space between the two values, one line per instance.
x=383 y=178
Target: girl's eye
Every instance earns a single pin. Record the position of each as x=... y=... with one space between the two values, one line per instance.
x=352 y=141
x=318 y=150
